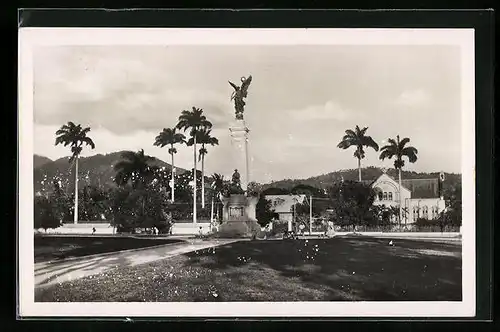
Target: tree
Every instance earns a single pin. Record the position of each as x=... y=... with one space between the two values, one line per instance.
x=94 y=203
x=74 y=136
x=301 y=211
x=275 y=191
x=44 y=214
x=62 y=202
x=307 y=190
x=352 y=202
x=397 y=149
x=193 y=120
x=264 y=212
x=169 y=136
x=134 y=168
x=358 y=139
x=218 y=186
x=453 y=212
x=254 y=189
x=203 y=138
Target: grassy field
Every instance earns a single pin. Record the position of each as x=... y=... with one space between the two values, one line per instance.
x=338 y=269
x=53 y=247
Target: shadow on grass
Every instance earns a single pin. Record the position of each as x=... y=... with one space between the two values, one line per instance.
x=53 y=248
x=46 y=274
x=338 y=269
x=360 y=269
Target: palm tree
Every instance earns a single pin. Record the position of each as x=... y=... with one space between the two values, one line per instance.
x=169 y=137
x=398 y=149
x=203 y=137
x=358 y=139
x=193 y=120
x=74 y=136
x=134 y=168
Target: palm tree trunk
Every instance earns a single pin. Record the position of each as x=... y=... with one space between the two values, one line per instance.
x=173 y=179
x=194 y=182
x=400 y=199
x=203 y=181
x=212 y=212
x=359 y=169
x=75 y=217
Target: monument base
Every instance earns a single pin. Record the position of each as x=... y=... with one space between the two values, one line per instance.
x=239 y=217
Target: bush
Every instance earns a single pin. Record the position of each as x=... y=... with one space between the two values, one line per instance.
x=140 y=208
x=45 y=215
x=279 y=227
x=233 y=230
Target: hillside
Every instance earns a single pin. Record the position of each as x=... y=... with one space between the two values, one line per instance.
x=96 y=170
x=39 y=161
x=369 y=173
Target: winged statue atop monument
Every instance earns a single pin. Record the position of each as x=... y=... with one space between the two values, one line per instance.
x=239 y=94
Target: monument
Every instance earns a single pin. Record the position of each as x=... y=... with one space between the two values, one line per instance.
x=238 y=206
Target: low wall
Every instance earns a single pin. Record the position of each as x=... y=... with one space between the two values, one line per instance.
x=395 y=235
x=190 y=228
x=79 y=229
x=414 y=234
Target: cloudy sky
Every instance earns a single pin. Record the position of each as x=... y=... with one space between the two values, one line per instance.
x=300 y=102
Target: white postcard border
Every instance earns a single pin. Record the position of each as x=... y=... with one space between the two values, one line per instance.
x=32 y=37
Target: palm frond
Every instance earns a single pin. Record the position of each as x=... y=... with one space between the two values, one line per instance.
x=350 y=133
x=392 y=142
x=369 y=142
x=403 y=142
x=411 y=153
x=386 y=152
x=85 y=131
x=346 y=143
x=88 y=141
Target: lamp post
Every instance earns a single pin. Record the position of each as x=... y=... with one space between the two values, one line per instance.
x=310 y=214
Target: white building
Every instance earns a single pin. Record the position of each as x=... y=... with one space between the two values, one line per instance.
x=421 y=198
x=283 y=206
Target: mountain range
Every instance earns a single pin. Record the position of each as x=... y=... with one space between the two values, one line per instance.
x=98 y=170
x=95 y=170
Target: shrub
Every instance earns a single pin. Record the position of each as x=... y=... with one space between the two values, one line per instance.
x=45 y=216
x=233 y=230
x=279 y=227
x=139 y=208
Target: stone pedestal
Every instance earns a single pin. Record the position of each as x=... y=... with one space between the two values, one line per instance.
x=238 y=216
x=239 y=141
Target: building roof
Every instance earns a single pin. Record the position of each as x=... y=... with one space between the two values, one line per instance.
x=419 y=188
x=422 y=188
x=284 y=203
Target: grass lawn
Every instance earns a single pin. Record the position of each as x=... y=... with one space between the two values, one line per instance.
x=50 y=247
x=338 y=269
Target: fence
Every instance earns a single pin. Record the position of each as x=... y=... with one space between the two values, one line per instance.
x=402 y=228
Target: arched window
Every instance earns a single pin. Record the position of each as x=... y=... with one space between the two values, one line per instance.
x=435 y=212
x=415 y=213
x=385 y=196
x=390 y=196
x=380 y=195
x=425 y=212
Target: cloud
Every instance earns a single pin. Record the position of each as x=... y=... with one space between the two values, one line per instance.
x=413 y=98
x=301 y=100
x=328 y=111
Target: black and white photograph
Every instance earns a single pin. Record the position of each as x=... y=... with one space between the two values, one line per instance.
x=247 y=172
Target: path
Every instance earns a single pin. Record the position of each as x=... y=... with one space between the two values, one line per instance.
x=49 y=273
